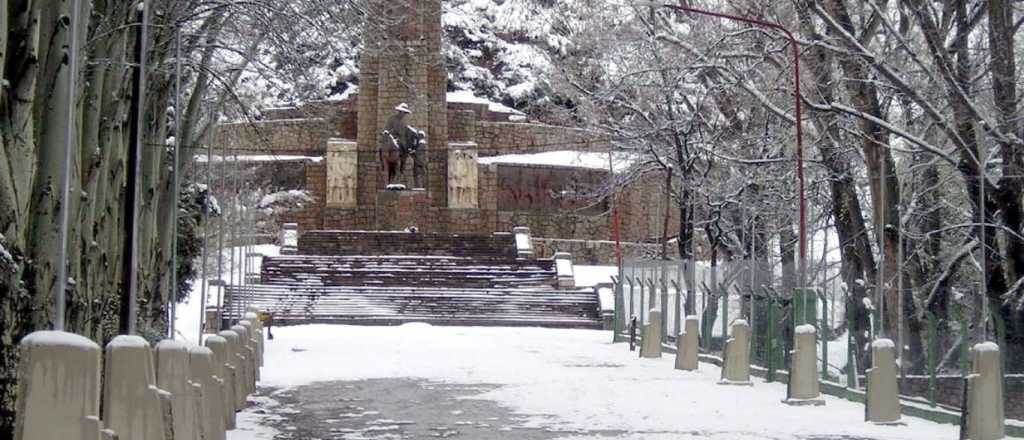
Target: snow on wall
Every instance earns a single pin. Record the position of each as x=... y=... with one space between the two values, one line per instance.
x=565 y=158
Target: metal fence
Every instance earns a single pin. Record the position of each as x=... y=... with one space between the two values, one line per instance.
x=756 y=292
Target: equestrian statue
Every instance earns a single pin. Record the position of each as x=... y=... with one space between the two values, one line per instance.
x=398 y=141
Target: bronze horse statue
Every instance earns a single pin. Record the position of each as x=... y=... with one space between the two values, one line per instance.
x=394 y=151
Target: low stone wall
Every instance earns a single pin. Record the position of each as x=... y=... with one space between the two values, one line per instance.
x=284 y=136
x=497 y=138
x=404 y=243
x=594 y=252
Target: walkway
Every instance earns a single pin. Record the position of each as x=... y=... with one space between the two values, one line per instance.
x=418 y=381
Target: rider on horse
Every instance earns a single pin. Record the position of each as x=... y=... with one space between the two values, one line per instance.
x=407 y=140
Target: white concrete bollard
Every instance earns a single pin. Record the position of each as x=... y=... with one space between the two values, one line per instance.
x=202 y=372
x=95 y=431
x=58 y=387
x=650 y=346
x=237 y=361
x=883 y=393
x=803 y=388
x=687 y=347
x=244 y=338
x=253 y=353
x=736 y=358
x=253 y=316
x=221 y=351
x=131 y=401
x=172 y=375
x=986 y=414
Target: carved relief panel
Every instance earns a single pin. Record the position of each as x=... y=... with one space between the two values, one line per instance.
x=341 y=160
x=463 y=181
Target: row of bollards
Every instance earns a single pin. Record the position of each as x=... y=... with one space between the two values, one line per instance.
x=174 y=391
x=984 y=409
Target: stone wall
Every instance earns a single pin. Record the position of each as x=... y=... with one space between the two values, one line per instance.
x=315 y=183
x=404 y=243
x=499 y=138
x=540 y=187
x=285 y=137
x=596 y=252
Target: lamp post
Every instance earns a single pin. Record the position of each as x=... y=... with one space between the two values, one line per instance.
x=802 y=263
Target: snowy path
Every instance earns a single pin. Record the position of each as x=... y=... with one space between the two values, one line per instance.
x=572 y=382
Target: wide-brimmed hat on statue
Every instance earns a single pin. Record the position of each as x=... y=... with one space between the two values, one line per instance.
x=403 y=107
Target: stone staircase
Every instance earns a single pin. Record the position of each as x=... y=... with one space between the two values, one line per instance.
x=389 y=278
x=292 y=305
x=400 y=270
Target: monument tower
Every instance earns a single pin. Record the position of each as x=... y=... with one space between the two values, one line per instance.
x=402 y=63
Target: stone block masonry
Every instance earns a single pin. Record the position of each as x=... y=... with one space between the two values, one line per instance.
x=402 y=63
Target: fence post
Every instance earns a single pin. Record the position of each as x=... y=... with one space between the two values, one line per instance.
x=825 y=334
x=933 y=348
x=1001 y=340
x=620 y=308
x=770 y=341
x=678 y=312
x=664 y=309
x=632 y=313
x=643 y=292
x=851 y=352
x=965 y=346
x=725 y=316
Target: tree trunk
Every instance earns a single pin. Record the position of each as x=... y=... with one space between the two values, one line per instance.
x=880 y=166
x=855 y=251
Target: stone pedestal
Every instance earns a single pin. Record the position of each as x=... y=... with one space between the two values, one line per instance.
x=687 y=349
x=736 y=368
x=397 y=210
x=651 y=344
x=803 y=388
x=986 y=418
x=883 y=396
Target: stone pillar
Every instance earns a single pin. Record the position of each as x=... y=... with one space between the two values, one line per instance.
x=564 y=268
x=651 y=344
x=687 y=348
x=736 y=368
x=253 y=349
x=224 y=372
x=244 y=348
x=58 y=387
x=986 y=418
x=524 y=244
x=883 y=394
x=132 y=404
x=172 y=375
x=803 y=388
x=202 y=372
x=236 y=361
x=289 y=240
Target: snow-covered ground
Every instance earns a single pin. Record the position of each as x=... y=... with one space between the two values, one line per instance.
x=567 y=380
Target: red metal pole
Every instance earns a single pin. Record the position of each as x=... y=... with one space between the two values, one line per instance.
x=802 y=263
